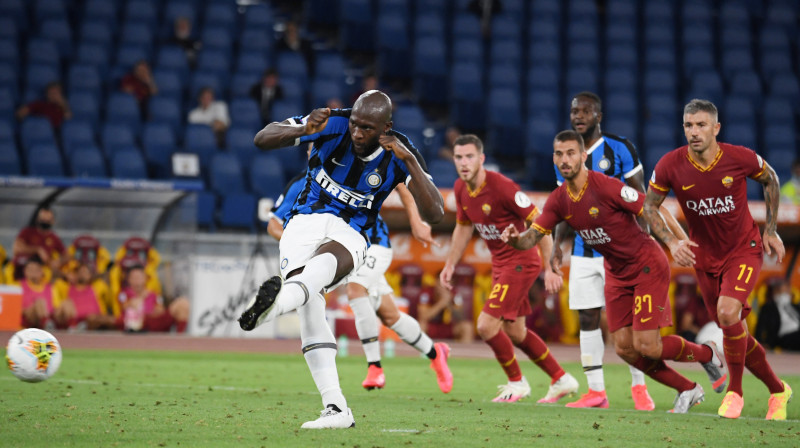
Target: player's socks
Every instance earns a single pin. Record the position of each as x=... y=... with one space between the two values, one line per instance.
x=592 y=351
x=367 y=328
x=319 y=350
x=537 y=350
x=504 y=352
x=637 y=377
x=735 y=344
x=664 y=374
x=410 y=332
x=756 y=362
x=318 y=273
x=678 y=349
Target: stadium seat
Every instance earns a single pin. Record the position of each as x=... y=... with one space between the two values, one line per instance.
x=95 y=55
x=293 y=65
x=748 y=84
x=206 y=210
x=245 y=113
x=9 y=52
x=177 y=8
x=239 y=141
x=740 y=133
x=167 y=110
x=467 y=96
x=622 y=55
x=777 y=111
x=172 y=58
x=550 y=11
x=660 y=57
x=87 y=161
x=59 y=30
x=737 y=108
x=321 y=92
x=225 y=174
x=356 y=18
x=128 y=55
x=221 y=15
x=774 y=61
x=266 y=176
x=585 y=53
x=36 y=131
x=201 y=79
x=101 y=10
x=736 y=60
x=330 y=65
x=258 y=16
x=780 y=159
x=782 y=14
x=621 y=79
x=544 y=101
x=620 y=104
x=543 y=77
x=255 y=39
x=45 y=160
x=242 y=82
x=428 y=24
x=238 y=210
x=506 y=52
x=199 y=139
x=47 y=9
x=707 y=84
x=773 y=38
x=443 y=172
x=580 y=78
x=543 y=30
x=84 y=106
x=7 y=133
x=123 y=107
x=540 y=130
x=661 y=107
x=169 y=83
x=658 y=138
x=84 y=77
x=141 y=10
x=128 y=164
x=158 y=143
x=505 y=76
x=468 y=50
x=621 y=32
x=544 y=54
x=655 y=12
x=136 y=33
x=213 y=60
x=38 y=75
x=114 y=136
x=9 y=159
x=504 y=122
x=96 y=31
x=785 y=85
x=251 y=62
x=466 y=26
x=393 y=45
x=430 y=70
x=76 y=134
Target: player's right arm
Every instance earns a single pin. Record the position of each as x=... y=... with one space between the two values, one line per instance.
x=283 y=134
x=458 y=244
x=770 y=239
x=275 y=228
x=560 y=234
x=680 y=248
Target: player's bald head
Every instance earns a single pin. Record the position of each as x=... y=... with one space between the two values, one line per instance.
x=374 y=104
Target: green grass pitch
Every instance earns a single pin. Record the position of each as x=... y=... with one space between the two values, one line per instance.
x=175 y=399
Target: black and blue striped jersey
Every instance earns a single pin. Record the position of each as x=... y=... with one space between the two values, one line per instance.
x=377 y=234
x=340 y=183
x=615 y=157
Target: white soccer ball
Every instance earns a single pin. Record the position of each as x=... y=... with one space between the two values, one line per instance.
x=33 y=355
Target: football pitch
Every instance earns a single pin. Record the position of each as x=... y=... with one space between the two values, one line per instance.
x=189 y=399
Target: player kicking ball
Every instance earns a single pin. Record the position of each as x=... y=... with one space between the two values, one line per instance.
x=603 y=211
x=489 y=202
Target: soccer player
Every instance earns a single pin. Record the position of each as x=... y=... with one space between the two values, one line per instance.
x=370 y=293
x=489 y=202
x=710 y=183
x=616 y=157
x=602 y=210
x=356 y=162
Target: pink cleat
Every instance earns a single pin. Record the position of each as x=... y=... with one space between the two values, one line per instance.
x=591 y=399
x=375 y=378
x=439 y=365
x=641 y=398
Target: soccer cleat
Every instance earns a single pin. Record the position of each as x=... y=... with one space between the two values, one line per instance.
x=591 y=399
x=731 y=406
x=686 y=399
x=375 y=378
x=642 y=400
x=778 y=402
x=513 y=391
x=332 y=418
x=258 y=309
x=716 y=370
x=439 y=365
x=566 y=385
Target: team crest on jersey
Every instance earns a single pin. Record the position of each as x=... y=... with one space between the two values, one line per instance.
x=486 y=209
x=374 y=179
x=284 y=263
x=727 y=181
x=604 y=164
x=593 y=212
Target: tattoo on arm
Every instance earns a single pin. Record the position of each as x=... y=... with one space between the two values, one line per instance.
x=657 y=226
x=772 y=195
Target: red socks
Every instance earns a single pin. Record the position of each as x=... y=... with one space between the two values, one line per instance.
x=735 y=344
x=679 y=349
x=756 y=362
x=664 y=374
x=504 y=352
x=537 y=350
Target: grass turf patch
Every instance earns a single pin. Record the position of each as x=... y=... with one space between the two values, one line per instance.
x=142 y=398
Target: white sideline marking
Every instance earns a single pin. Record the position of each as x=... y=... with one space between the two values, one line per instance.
x=404 y=430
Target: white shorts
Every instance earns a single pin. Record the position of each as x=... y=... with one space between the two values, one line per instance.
x=372 y=275
x=587 y=278
x=304 y=234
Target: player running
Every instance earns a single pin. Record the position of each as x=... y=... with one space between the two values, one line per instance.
x=710 y=183
x=603 y=211
x=489 y=202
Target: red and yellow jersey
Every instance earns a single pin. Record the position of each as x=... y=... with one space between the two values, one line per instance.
x=43 y=238
x=604 y=215
x=491 y=208
x=713 y=199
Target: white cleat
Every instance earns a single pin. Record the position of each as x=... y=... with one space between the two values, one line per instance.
x=513 y=391
x=330 y=418
x=566 y=385
x=716 y=369
x=688 y=398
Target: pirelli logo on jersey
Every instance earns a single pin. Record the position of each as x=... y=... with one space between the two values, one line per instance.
x=594 y=237
x=712 y=206
x=338 y=192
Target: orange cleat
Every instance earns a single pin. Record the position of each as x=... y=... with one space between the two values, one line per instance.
x=732 y=405
x=375 y=378
x=591 y=399
x=778 y=402
x=439 y=365
x=641 y=398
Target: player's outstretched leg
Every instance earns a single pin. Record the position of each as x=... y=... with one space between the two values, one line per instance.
x=367 y=328
x=260 y=306
x=561 y=383
x=780 y=393
x=319 y=350
x=734 y=342
x=411 y=333
x=678 y=349
x=689 y=392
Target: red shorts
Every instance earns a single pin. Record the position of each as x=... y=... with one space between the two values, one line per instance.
x=508 y=298
x=737 y=278
x=641 y=301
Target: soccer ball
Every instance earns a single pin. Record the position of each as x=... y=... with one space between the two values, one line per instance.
x=33 y=355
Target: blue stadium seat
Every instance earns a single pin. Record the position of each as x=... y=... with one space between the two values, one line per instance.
x=15 y=9
x=128 y=164
x=541 y=129
x=658 y=12
x=172 y=57
x=660 y=57
x=659 y=34
x=9 y=76
x=506 y=51
x=544 y=54
x=255 y=39
x=622 y=11
x=199 y=139
x=580 y=78
x=114 y=136
x=128 y=55
x=7 y=133
x=221 y=15
x=622 y=55
x=735 y=60
x=621 y=32
x=122 y=107
x=84 y=106
x=206 y=210
x=443 y=172
x=9 y=52
x=258 y=16
x=169 y=83
x=239 y=141
x=467 y=96
x=583 y=30
x=505 y=76
x=621 y=79
x=393 y=45
x=76 y=134
x=36 y=131
x=87 y=161
x=136 y=33
x=623 y=126
x=780 y=159
x=748 y=84
x=697 y=34
x=583 y=53
x=225 y=174
x=43 y=50
x=39 y=75
x=399 y=8
x=549 y=11
x=242 y=82
x=330 y=66
x=238 y=210
x=59 y=30
x=621 y=104
x=782 y=14
x=734 y=38
x=9 y=159
x=740 y=133
x=94 y=54
x=245 y=113
x=466 y=26
x=356 y=18
x=96 y=31
x=84 y=77
x=505 y=122
x=773 y=38
x=777 y=111
x=202 y=79
x=543 y=30
x=283 y=109
x=141 y=10
x=583 y=9
x=659 y=136
x=543 y=77
x=47 y=9
x=321 y=12
x=104 y=10
x=542 y=101
x=215 y=61
x=430 y=70
x=175 y=9
x=293 y=65
x=774 y=61
x=251 y=62
x=785 y=85
x=707 y=84
x=737 y=108
x=428 y=24
x=696 y=59
x=44 y=160
x=158 y=143
x=167 y=110
x=662 y=107
x=266 y=176
x=321 y=92
x=468 y=50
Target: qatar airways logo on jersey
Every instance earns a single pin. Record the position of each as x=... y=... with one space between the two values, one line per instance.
x=350 y=198
x=488 y=231
x=594 y=237
x=712 y=206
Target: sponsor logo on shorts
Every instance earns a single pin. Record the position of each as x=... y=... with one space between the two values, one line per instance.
x=492 y=305
x=284 y=263
x=739 y=289
x=645 y=319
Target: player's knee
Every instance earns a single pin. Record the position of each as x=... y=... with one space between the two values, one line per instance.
x=649 y=349
x=727 y=315
x=626 y=352
x=589 y=319
x=487 y=330
x=388 y=317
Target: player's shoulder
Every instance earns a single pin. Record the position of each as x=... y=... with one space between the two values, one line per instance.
x=499 y=180
x=674 y=156
x=620 y=144
x=735 y=149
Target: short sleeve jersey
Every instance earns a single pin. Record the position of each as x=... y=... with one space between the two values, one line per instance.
x=604 y=215
x=340 y=183
x=491 y=208
x=46 y=239
x=613 y=156
x=713 y=199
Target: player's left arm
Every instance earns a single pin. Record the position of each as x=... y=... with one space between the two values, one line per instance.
x=679 y=247
x=420 y=229
x=427 y=197
x=553 y=277
x=772 y=194
x=522 y=241
x=636 y=181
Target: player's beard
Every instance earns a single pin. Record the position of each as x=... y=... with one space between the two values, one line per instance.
x=574 y=171
x=587 y=135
